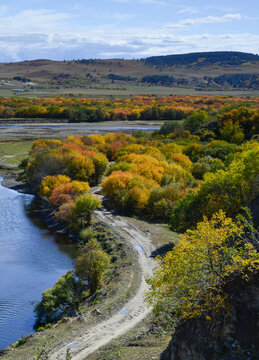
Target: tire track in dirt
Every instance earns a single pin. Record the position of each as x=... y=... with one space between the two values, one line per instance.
x=133 y=311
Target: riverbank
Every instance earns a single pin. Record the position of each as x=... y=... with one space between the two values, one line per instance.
x=10 y=181
x=124 y=288
x=31 y=261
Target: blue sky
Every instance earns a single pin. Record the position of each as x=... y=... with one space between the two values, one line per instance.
x=32 y=29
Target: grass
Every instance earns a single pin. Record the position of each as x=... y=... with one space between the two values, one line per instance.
x=130 y=90
x=98 y=85
x=13 y=152
x=159 y=234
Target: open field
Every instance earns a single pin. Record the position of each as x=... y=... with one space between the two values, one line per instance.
x=117 y=92
x=12 y=152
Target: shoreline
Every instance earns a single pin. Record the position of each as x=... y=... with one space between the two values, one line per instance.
x=10 y=182
x=43 y=210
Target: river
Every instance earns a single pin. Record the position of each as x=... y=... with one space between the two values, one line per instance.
x=31 y=260
x=62 y=130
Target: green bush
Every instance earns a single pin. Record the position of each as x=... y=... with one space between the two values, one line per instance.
x=65 y=294
x=221 y=149
x=228 y=190
x=83 y=209
x=91 y=264
x=169 y=127
x=195 y=120
x=20 y=342
x=205 y=165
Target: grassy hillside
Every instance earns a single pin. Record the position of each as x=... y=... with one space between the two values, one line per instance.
x=216 y=71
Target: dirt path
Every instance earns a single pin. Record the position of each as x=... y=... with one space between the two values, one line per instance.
x=133 y=312
x=6 y=157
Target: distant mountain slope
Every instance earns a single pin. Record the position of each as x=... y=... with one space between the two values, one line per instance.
x=220 y=70
x=203 y=58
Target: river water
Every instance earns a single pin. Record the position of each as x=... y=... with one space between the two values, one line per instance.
x=31 y=261
x=60 y=131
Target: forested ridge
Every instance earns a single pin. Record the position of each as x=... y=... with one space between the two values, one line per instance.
x=203 y=58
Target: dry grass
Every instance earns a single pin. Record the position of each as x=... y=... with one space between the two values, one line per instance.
x=41 y=72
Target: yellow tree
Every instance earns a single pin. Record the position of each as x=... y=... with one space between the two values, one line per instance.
x=189 y=280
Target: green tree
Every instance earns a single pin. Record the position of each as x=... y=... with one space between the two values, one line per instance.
x=91 y=264
x=232 y=132
x=83 y=208
x=64 y=294
x=228 y=190
x=169 y=127
x=195 y=120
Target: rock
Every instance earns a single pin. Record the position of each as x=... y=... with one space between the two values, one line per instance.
x=229 y=336
x=71 y=313
x=96 y=312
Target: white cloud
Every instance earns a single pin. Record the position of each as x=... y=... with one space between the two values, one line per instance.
x=206 y=20
x=188 y=10
x=156 y=2
x=45 y=33
x=42 y=20
x=3 y=9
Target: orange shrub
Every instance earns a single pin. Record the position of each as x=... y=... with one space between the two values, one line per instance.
x=182 y=160
x=50 y=182
x=66 y=192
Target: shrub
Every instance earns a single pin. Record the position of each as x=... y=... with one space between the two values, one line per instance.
x=220 y=149
x=193 y=151
x=55 y=301
x=79 y=167
x=51 y=182
x=228 y=189
x=195 y=120
x=67 y=192
x=201 y=167
x=83 y=208
x=232 y=132
x=169 y=127
x=91 y=264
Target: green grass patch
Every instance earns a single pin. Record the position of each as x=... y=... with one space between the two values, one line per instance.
x=13 y=152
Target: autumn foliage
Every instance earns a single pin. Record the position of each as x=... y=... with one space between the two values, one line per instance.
x=144 y=107
x=189 y=280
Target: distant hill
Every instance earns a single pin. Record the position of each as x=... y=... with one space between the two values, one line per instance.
x=219 y=70
x=203 y=58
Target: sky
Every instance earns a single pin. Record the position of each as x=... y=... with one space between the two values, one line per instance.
x=57 y=30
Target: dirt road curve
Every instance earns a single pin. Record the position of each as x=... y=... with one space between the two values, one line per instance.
x=132 y=313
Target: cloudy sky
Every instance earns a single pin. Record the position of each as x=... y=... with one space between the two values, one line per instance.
x=54 y=29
